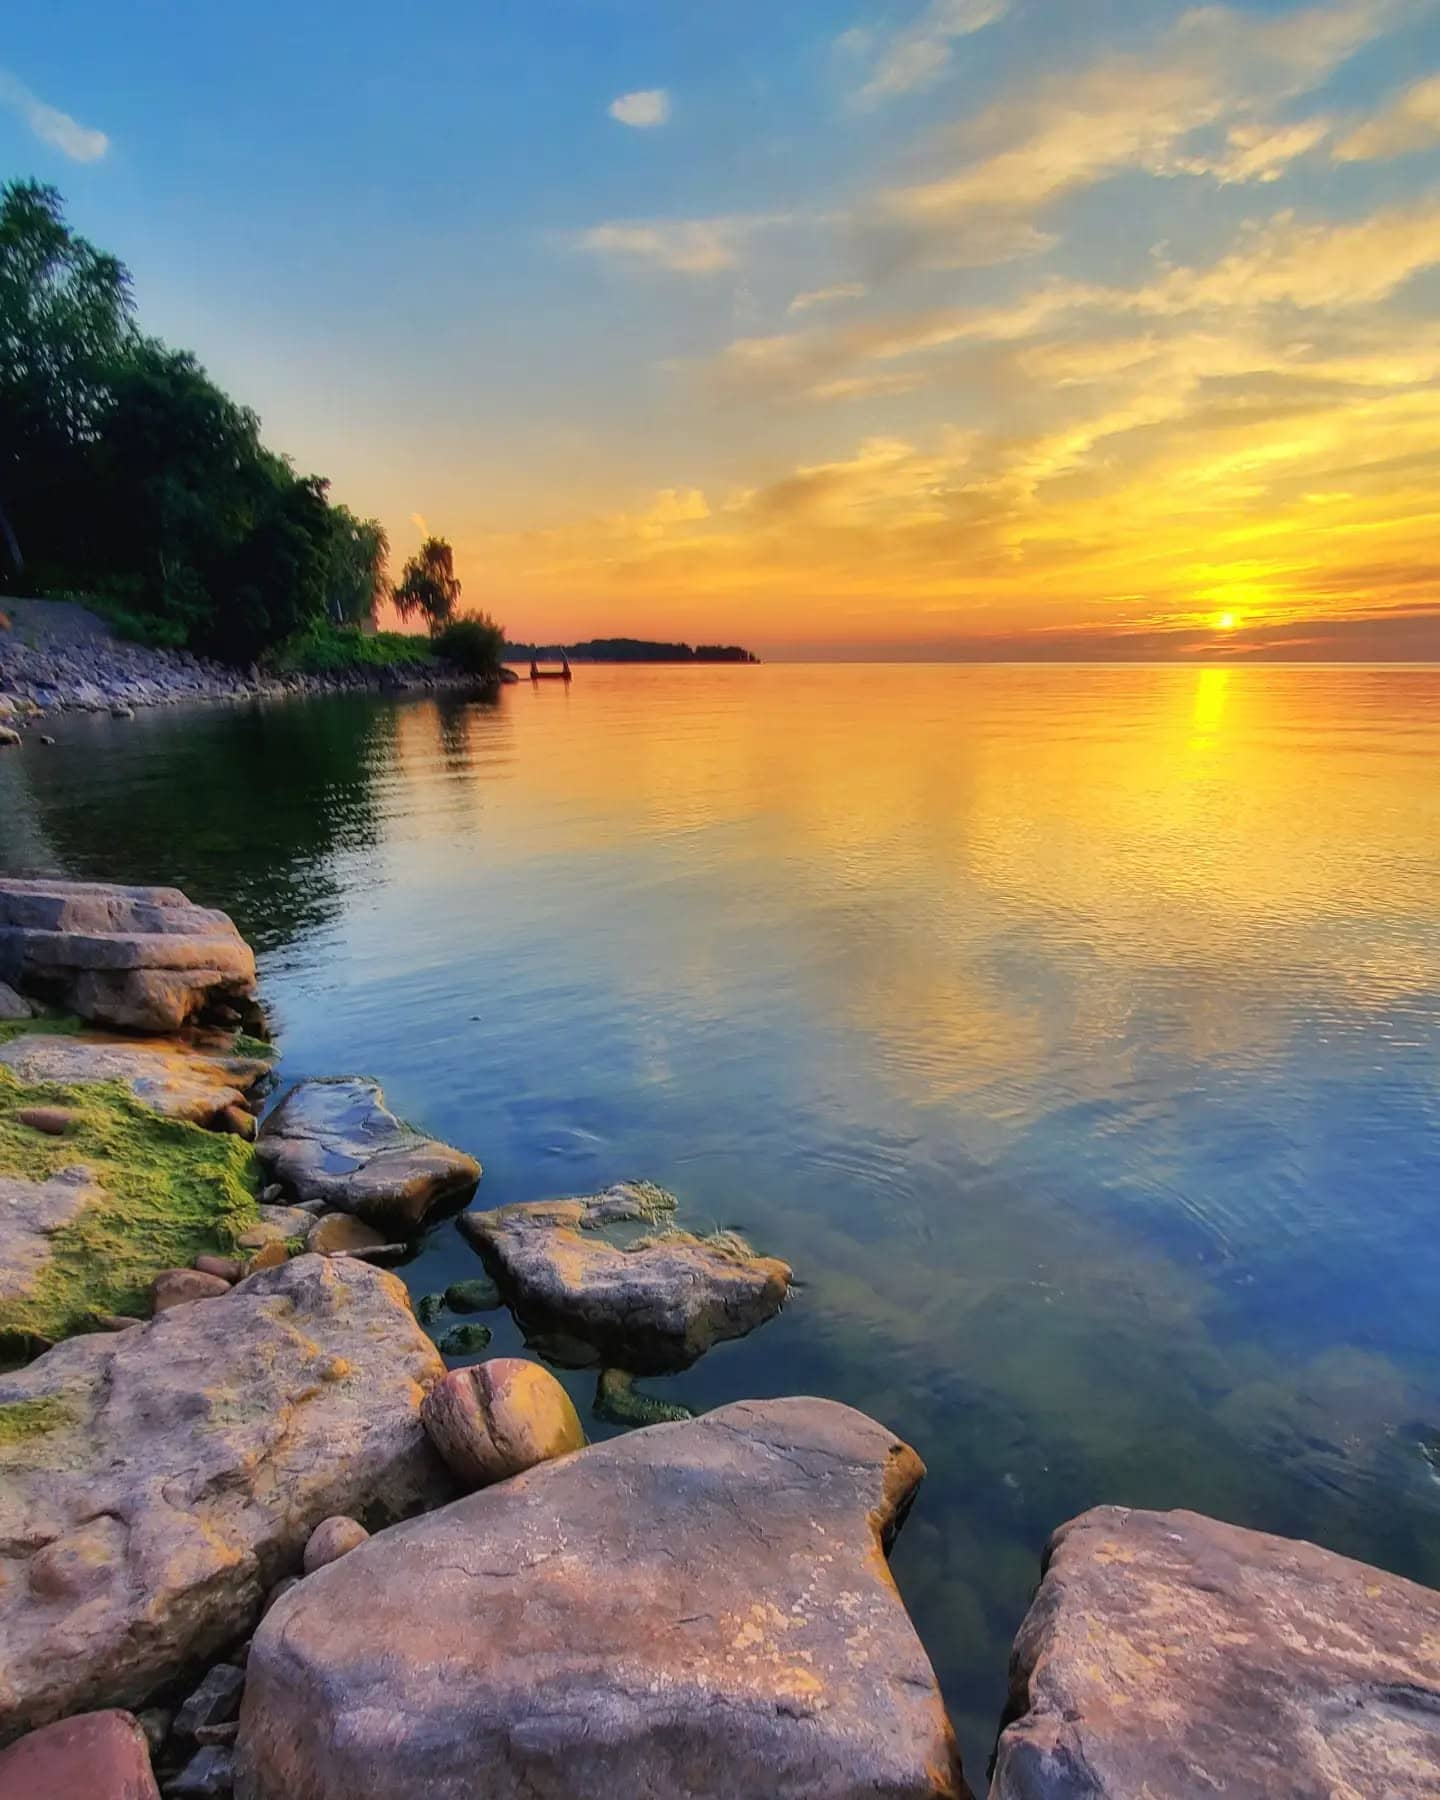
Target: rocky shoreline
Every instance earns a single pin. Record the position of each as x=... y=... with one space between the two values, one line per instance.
x=57 y=657
x=256 y=1538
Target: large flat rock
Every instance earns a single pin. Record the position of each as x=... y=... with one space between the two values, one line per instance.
x=155 y=1482
x=140 y=958
x=701 y=1609
x=650 y=1306
x=337 y=1141
x=1171 y=1656
x=170 y=1077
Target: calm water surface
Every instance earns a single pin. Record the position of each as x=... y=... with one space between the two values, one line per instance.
x=1073 y=1033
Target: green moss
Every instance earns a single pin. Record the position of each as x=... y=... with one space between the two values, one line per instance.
x=56 y=1025
x=22 y=1419
x=172 y=1192
x=245 y=1045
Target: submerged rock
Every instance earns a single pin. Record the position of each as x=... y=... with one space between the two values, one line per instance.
x=337 y=1141
x=154 y=1483
x=464 y=1340
x=142 y=958
x=500 y=1418
x=1170 y=1655
x=172 y=1078
x=95 y=1756
x=649 y=1307
x=699 y=1609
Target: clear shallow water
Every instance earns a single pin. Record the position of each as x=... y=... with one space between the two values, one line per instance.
x=1075 y=1033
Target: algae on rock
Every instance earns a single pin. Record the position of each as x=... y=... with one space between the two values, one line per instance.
x=168 y=1191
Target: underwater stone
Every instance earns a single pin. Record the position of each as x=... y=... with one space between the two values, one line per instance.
x=478 y=1295
x=464 y=1340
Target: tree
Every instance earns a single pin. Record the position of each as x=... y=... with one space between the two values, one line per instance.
x=428 y=585
x=475 y=643
x=359 y=551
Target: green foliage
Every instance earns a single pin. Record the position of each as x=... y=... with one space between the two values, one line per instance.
x=129 y=479
x=172 y=1191
x=474 y=643
x=428 y=584
x=322 y=649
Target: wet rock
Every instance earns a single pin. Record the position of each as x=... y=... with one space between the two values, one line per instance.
x=120 y=711
x=170 y=1078
x=478 y=1295
x=173 y=1472
x=215 y=1700
x=650 y=1307
x=225 y=1267
x=95 y=1756
x=331 y=1539
x=10 y=739
x=31 y=1213
x=178 y=1287
x=499 y=1418
x=54 y=1121
x=1171 y=1655
x=429 y=1307
x=141 y=958
x=337 y=1141
x=464 y=1340
x=13 y=1006
x=209 y=1775
x=699 y=1609
x=338 y=1231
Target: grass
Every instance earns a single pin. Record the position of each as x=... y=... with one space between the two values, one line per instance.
x=172 y=1192
x=323 y=649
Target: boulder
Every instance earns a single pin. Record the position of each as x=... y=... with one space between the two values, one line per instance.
x=1170 y=1655
x=94 y=1756
x=332 y=1538
x=170 y=1078
x=498 y=1419
x=155 y=1482
x=13 y=1006
x=649 y=1307
x=31 y=1212
x=700 y=1609
x=54 y=1121
x=336 y=1232
x=141 y=958
x=337 y=1141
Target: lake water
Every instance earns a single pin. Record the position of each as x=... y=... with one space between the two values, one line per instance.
x=1075 y=1034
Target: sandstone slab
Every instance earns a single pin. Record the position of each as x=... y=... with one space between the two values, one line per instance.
x=701 y=1609
x=171 y=1078
x=649 y=1307
x=338 y=1142
x=1170 y=1655
x=96 y=1756
x=155 y=1482
x=144 y=959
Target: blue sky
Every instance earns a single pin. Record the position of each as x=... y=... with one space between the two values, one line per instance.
x=876 y=325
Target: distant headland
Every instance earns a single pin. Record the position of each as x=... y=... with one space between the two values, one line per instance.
x=632 y=650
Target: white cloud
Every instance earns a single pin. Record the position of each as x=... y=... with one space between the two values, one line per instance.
x=683 y=246
x=648 y=106
x=418 y=521
x=81 y=143
x=845 y=290
x=1410 y=122
x=919 y=56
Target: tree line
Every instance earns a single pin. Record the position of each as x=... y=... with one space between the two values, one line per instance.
x=129 y=478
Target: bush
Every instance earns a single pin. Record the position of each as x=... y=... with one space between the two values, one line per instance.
x=322 y=649
x=474 y=643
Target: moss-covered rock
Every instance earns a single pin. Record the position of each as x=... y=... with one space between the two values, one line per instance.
x=165 y=1191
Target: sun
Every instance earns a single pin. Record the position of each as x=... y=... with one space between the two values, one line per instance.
x=1226 y=622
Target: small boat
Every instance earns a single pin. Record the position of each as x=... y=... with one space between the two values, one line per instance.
x=563 y=673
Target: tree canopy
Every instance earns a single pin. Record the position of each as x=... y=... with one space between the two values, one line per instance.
x=128 y=476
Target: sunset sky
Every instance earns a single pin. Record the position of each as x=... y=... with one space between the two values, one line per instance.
x=968 y=327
